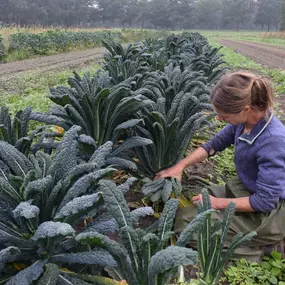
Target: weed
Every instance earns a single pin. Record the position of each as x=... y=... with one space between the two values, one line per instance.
x=270 y=271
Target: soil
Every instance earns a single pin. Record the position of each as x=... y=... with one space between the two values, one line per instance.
x=266 y=54
x=53 y=62
x=10 y=72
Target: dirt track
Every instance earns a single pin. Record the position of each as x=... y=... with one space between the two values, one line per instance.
x=53 y=62
x=266 y=54
x=11 y=72
x=272 y=56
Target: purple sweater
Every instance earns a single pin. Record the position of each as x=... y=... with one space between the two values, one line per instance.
x=259 y=158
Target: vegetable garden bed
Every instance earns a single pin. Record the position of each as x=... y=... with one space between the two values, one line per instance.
x=64 y=216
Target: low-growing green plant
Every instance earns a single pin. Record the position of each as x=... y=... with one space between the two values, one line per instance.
x=143 y=258
x=271 y=270
x=224 y=165
x=125 y=64
x=211 y=242
x=153 y=44
x=47 y=201
x=161 y=189
x=2 y=48
x=116 y=50
x=180 y=107
x=189 y=50
x=176 y=99
x=31 y=89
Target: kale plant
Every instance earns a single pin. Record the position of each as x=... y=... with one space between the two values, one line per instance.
x=143 y=258
x=16 y=132
x=99 y=110
x=180 y=108
x=45 y=202
x=211 y=238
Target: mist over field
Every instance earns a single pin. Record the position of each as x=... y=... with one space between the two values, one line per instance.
x=167 y=14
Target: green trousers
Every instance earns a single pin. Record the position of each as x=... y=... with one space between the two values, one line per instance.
x=270 y=227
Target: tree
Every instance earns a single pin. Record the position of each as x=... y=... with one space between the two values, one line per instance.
x=235 y=12
x=169 y=14
x=143 y=12
x=282 y=15
x=46 y=12
x=183 y=13
x=110 y=10
x=267 y=13
x=208 y=14
x=131 y=12
x=160 y=13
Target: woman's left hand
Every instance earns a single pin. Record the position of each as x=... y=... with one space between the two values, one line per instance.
x=199 y=198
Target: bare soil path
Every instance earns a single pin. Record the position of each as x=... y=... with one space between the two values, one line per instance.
x=266 y=54
x=53 y=62
x=11 y=72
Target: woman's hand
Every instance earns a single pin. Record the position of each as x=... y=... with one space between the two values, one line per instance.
x=242 y=203
x=199 y=198
x=174 y=171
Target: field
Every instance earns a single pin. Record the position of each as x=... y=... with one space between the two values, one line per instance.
x=274 y=38
x=85 y=156
x=20 y=79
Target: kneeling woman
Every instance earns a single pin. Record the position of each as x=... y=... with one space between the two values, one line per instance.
x=245 y=102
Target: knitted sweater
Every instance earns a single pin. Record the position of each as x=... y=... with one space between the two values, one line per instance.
x=259 y=158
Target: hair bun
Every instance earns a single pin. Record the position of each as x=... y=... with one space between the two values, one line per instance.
x=237 y=90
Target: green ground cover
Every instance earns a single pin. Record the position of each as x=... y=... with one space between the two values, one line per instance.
x=32 y=91
x=268 y=38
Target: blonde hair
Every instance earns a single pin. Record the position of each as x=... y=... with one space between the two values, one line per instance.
x=236 y=90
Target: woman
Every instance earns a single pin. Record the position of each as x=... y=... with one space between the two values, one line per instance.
x=245 y=102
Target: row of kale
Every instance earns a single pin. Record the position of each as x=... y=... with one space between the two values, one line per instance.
x=153 y=95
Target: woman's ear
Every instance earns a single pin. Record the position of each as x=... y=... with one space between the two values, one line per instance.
x=247 y=108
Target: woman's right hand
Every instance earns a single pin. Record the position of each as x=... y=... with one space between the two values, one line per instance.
x=174 y=171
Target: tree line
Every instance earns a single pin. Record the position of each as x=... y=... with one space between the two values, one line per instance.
x=166 y=14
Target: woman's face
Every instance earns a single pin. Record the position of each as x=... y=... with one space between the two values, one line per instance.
x=234 y=119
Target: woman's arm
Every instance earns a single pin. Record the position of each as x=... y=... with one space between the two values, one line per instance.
x=220 y=141
x=175 y=171
x=270 y=182
x=242 y=204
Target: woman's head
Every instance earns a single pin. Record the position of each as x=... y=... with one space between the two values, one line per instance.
x=241 y=91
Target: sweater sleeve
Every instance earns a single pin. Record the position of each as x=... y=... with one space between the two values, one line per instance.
x=271 y=174
x=221 y=140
